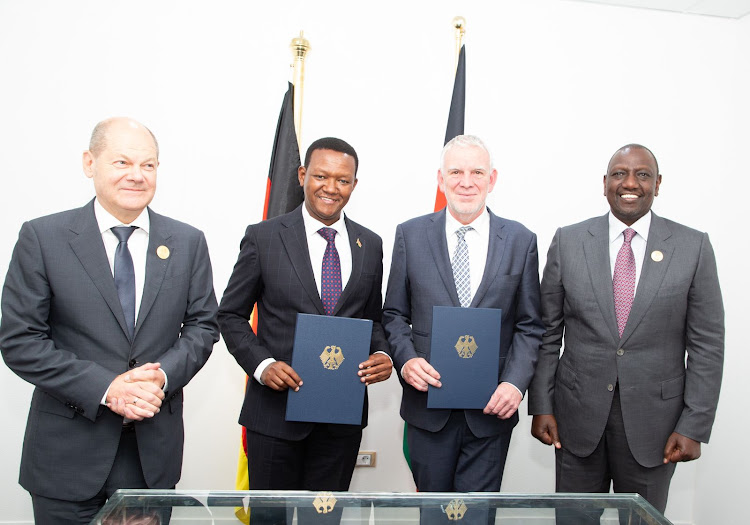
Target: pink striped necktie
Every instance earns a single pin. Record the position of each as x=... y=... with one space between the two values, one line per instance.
x=623 y=280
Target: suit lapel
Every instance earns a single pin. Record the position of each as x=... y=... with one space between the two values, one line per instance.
x=156 y=267
x=652 y=273
x=439 y=247
x=295 y=243
x=596 y=253
x=359 y=251
x=88 y=246
x=495 y=252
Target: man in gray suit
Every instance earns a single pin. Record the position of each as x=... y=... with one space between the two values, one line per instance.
x=633 y=293
x=462 y=450
x=109 y=311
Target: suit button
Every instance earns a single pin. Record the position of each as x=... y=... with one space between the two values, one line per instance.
x=132 y=363
x=610 y=387
x=620 y=351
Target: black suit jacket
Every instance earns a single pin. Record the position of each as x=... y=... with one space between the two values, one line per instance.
x=63 y=330
x=274 y=270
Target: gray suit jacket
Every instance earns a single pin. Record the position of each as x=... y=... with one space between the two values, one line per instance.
x=274 y=270
x=421 y=277
x=63 y=330
x=677 y=309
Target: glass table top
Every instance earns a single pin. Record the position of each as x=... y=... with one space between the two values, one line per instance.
x=158 y=507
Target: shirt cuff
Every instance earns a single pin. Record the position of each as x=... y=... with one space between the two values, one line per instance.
x=166 y=380
x=104 y=398
x=262 y=366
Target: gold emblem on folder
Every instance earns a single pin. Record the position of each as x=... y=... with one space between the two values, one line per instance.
x=163 y=252
x=455 y=510
x=324 y=502
x=332 y=357
x=466 y=347
x=657 y=256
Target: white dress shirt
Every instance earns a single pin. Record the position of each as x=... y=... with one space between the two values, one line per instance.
x=638 y=243
x=477 y=241
x=316 y=246
x=138 y=247
x=137 y=244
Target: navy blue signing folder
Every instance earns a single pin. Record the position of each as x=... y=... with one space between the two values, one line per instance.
x=465 y=350
x=327 y=353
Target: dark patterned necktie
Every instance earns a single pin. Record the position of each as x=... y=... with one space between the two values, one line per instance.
x=125 y=275
x=623 y=280
x=330 y=287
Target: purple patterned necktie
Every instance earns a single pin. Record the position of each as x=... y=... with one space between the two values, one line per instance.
x=330 y=287
x=623 y=280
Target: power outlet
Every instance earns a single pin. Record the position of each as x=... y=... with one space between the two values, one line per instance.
x=366 y=459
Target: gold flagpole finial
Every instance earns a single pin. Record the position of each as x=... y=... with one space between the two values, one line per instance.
x=459 y=25
x=300 y=46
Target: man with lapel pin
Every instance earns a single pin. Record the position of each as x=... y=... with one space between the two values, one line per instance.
x=632 y=294
x=312 y=260
x=109 y=310
x=465 y=256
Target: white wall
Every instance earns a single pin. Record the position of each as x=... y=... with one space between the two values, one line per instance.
x=554 y=87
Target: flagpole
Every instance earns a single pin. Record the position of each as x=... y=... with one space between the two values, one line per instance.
x=300 y=46
x=459 y=25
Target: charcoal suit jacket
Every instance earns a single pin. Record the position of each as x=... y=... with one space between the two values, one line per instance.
x=677 y=312
x=63 y=330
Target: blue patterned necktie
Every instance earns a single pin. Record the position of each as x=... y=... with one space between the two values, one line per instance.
x=460 y=265
x=330 y=287
x=125 y=275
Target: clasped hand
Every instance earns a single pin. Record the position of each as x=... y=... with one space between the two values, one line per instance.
x=137 y=394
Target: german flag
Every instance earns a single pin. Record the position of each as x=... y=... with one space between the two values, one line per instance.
x=283 y=194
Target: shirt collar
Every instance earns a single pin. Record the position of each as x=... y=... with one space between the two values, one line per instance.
x=312 y=225
x=481 y=224
x=641 y=226
x=107 y=221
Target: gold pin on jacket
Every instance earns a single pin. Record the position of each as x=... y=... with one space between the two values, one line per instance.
x=163 y=252
x=359 y=243
x=657 y=256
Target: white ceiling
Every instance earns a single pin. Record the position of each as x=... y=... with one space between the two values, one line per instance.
x=721 y=8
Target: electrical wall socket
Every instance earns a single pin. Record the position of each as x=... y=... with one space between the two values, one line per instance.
x=366 y=458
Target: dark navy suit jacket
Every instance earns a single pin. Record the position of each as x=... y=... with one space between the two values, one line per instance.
x=421 y=277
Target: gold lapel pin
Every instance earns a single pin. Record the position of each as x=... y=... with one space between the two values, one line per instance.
x=163 y=252
x=657 y=256
x=359 y=243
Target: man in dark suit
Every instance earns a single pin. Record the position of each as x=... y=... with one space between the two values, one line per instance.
x=109 y=331
x=279 y=267
x=632 y=293
x=462 y=450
